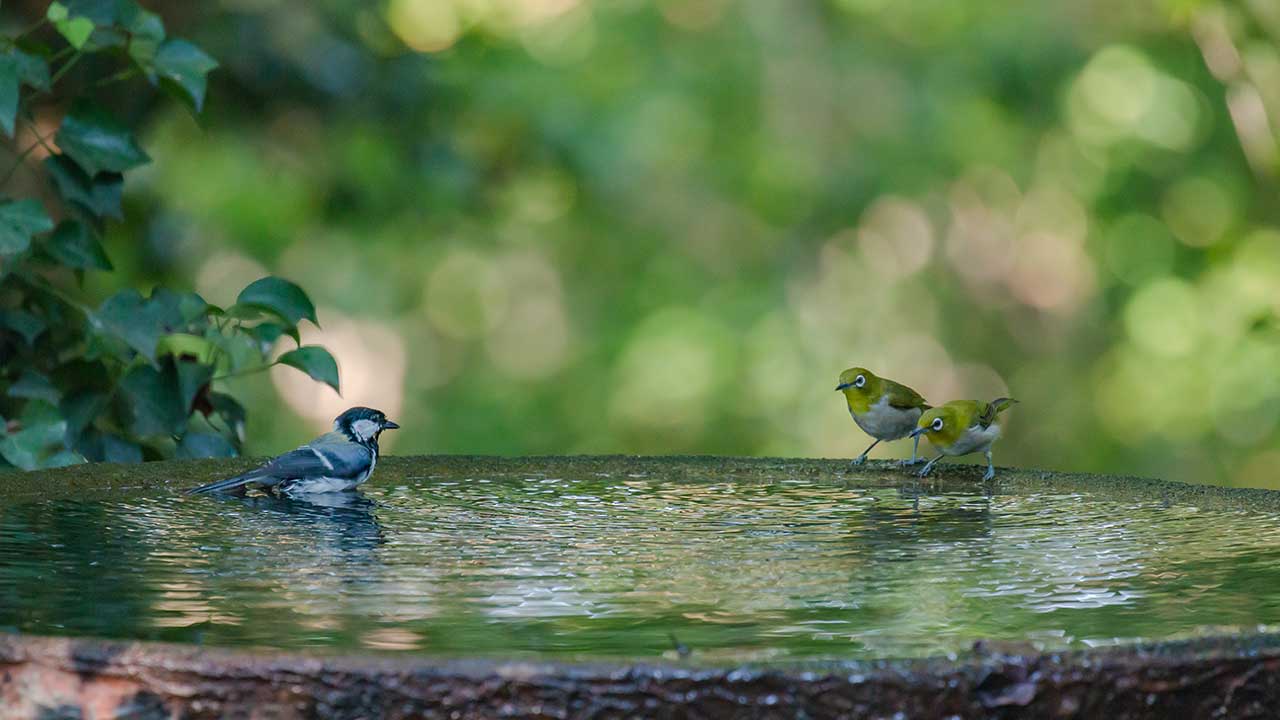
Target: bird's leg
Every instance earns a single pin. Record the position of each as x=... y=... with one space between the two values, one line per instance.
x=915 y=448
x=863 y=457
x=929 y=466
x=991 y=469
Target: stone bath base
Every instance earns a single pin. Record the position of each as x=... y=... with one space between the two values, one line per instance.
x=44 y=678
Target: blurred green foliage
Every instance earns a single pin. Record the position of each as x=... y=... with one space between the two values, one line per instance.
x=134 y=378
x=549 y=226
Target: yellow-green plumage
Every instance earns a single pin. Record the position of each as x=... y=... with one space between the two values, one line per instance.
x=884 y=409
x=961 y=427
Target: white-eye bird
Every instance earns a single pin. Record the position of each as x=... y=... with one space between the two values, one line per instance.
x=884 y=409
x=961 y=427
x=336 y=461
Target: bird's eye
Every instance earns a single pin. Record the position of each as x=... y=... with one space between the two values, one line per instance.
x=937 y=424
x=859 y=381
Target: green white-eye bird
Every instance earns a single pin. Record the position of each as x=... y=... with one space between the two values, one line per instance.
x=961 y=427
x=884 y=409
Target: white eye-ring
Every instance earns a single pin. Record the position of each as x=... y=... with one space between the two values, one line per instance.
x=859 y=381
x=937 y=424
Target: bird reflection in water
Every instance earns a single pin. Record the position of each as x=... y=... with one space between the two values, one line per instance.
x=339 y=526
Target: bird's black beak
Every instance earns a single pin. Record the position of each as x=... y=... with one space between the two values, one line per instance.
x=919 y=431
x=842 y=386
x=388 y=425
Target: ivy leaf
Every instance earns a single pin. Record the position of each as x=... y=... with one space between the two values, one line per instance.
x=181 y=345
x=24 y=323
x=8 y=94
x=34 y=386
x=314 y=361
x=17 y=68
x=42 y=430
x=193 y=381
x=204 y=445
x=33 y=70
x=155 y=407
x=186 y=66
x=146 y=32
x=74 y=245
x=97 y=141
x=141 y=323
x=100 y=446
x=231 y=412
x=280 y=297
x=80 y=408
x=99 y=195
x=19 y=220
x=75 y=29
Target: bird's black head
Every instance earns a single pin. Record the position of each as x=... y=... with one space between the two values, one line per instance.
x=362 y=425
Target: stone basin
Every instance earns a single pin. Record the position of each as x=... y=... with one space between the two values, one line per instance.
x=619 y=586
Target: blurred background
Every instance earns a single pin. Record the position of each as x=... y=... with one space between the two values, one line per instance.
x=665 y=226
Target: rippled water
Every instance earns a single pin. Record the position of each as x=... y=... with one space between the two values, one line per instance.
x=599 y=567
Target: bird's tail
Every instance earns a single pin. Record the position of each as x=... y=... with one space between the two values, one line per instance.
x=993 y=409
x=1002 y=404
x=222 y=486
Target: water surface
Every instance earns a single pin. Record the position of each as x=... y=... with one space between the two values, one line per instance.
x=614 y=567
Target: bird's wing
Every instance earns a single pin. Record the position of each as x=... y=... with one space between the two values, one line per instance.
x=327 y=456
x=901 y=396
x=988 y=412
x=330 y=455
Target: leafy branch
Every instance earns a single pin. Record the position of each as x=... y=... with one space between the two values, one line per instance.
x=135 y=377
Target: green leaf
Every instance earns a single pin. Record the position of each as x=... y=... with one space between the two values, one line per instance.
x=33 y=70
x=193 y=379
x=81 y=408
x=62 y=458
x=17 y=67
x=8 y=94
x=73 y=244
x=19 y=220
x=24 y=323
x=153 y=400
x=314 y=361
x=191 y=306
x=231 y=412
x=146 y=32
x=75 y=28
x=141 y=323
x=57 y=12
x=102 y=12
x=100 y=446
x=99 y=195
x=186 y=66
x=204 y=445
x=35 y=386
x=42 y=432
x=183 y=344
x=280 y=297
x=97 y=141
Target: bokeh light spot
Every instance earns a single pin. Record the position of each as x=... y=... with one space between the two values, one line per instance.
x=1163 y=318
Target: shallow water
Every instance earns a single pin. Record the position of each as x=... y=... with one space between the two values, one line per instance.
x=598 y=567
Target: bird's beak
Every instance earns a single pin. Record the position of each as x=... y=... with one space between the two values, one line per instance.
x=388 y=425
x=919 y=431
x=842 y=386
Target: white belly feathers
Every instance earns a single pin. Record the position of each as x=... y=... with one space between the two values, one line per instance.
x=885 y=422
x=974 y=439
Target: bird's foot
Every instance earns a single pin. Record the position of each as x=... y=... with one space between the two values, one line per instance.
x=924 y=471
x=989 y=474
x=858 y=461
x=910 y=461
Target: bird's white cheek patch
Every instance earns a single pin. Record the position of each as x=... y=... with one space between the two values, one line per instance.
x=364 y=428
